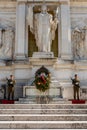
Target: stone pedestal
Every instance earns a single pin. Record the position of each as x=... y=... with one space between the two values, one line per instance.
x=42 y=58
x=42 y=61
x=43 y=55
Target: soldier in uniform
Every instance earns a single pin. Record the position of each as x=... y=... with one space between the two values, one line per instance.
x=76 y=86
x=11 y=83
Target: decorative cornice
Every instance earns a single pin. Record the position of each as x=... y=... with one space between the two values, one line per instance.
x=7 y=4
x=78 y=0
x=22 y=0
x=42 y=0
x=47 y=1
x=78 y=3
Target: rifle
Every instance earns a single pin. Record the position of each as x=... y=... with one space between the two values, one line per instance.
x=8 y=81
x=75 y=83
x=72 y=81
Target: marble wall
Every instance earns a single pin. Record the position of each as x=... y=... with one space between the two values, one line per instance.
x=79 y=31
x=72 y=36
x=7 y=29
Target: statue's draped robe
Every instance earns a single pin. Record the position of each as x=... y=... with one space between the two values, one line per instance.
x=43 y=31
x=42 y=25
x=30 y=17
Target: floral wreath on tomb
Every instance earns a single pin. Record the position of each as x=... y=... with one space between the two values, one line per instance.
x=42 y=79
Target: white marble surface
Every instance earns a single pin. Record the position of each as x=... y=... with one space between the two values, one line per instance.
x=66 y=52
x=20 y=32
x=43 y=55
x=75 y=14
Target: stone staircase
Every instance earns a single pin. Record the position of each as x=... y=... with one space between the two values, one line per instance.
x=43 y=116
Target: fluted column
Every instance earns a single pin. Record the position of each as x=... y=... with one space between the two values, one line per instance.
x=65 y=26
x=20 y=31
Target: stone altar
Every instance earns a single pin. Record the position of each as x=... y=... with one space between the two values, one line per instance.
x=32 y=94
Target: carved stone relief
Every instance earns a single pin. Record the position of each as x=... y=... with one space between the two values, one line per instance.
x=7 y=38
x=79 y=39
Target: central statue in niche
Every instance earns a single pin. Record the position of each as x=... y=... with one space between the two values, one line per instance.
x=44 y=27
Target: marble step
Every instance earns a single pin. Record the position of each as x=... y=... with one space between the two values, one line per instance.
x=47 y=102
x=43 y=106
x=37 y=98
x=47 y=117
x=43 y=111
x=33 y=102
x=25 y=102
x=44 y=129
x=43 y=124
x=41 y=100
x=55 y=101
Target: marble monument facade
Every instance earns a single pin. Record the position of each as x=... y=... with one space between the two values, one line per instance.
x=72 y=44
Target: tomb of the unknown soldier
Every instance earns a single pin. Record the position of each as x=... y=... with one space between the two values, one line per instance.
x=43 y=64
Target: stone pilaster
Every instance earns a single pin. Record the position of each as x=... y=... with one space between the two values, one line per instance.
x=66 y=52
x=20 y=31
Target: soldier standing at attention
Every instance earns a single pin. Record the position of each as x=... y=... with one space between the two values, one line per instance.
x=76 y=86
x=11 y=83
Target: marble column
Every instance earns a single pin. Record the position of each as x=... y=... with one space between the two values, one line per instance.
x=66 y=52
x=20 y=51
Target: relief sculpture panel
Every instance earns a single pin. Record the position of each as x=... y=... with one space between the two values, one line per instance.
x=7 y=39
x=79 y=39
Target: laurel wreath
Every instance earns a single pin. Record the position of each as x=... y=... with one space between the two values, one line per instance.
x=42 y=82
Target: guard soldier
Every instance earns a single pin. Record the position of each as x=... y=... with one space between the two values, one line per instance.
x=76 y=86
x=11 y=83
